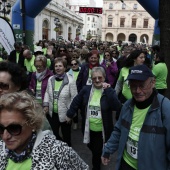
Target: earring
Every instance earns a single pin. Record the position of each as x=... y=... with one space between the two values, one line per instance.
x=33 y=130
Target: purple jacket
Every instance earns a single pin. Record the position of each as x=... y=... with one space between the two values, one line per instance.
x=111 y=71
x=33 y=82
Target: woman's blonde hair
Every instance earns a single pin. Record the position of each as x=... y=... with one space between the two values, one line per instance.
x=26 y=105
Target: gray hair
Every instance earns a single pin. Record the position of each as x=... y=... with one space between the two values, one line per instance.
x=26 y=105
x=98 y=69
x=41 y=58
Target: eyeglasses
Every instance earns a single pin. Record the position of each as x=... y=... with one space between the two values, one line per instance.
x=38 y=66
x=74 y=64
x=142 y=86
x=97 y=78
x=13 y=129
x=4 y=86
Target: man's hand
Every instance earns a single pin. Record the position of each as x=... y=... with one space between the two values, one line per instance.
x=105 y=161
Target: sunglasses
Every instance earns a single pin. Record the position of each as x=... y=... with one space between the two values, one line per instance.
x=62 y=50
x=4 y=86
x=74 y=64
x=97 y=78
x=13 y=129
x=107 y=55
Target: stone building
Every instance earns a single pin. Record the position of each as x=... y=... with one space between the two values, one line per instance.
x=68 y=25
x=126 y=21
x=92 y=22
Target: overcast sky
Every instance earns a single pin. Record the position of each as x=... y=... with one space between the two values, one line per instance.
x=99 y=3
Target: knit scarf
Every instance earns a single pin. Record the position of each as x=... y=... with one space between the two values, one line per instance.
x=40 y=76
x=91 y=66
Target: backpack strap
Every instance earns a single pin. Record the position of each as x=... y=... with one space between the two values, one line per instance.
x=162 y=117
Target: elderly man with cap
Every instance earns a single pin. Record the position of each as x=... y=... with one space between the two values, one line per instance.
x=142 y=134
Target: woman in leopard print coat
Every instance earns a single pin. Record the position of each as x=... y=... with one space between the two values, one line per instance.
x=24 y=145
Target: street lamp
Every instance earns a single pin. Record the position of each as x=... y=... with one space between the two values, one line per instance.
x=89 y=34
x=5 y=7
x=57 y=22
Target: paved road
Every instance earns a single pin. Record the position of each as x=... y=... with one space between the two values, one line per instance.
x=84 y=152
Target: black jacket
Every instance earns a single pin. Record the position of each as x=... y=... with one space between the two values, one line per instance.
x=12 y=58
x=109 y=102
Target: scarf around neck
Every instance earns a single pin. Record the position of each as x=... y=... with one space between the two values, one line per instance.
x=60 y=77
x=26 y=154
x=40 y=76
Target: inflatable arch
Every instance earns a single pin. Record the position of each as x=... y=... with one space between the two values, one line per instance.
x=32 y=8
x=152 y=7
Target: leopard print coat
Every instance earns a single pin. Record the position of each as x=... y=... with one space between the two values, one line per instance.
x=49 y=154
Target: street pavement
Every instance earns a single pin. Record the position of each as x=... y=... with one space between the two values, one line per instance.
x=84 y=152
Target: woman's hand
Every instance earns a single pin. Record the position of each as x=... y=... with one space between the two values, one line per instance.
x=46 y=110
x=105 y=161
x=105 y=85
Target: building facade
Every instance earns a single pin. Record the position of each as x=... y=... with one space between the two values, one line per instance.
x=127 y=21
x=92 y=23
x=68 y=26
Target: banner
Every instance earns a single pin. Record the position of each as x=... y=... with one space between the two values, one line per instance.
x=7 y=38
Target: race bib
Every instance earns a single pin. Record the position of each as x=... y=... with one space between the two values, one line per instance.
x=132 y=148
x=55 y=94
x=89 y=81
x=38 y=94
x=95 y=112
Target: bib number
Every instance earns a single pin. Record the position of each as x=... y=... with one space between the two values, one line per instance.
x=89 y=81
x=55 y=94
x=132 y=150
x=38 y=94
x=95 y=114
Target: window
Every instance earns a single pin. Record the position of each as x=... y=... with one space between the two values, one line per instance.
x=145 y=23
x=122 y=22
x=94 y=32
x=123 y=6
x=110 y=6
x=88 y=18
x=135 y=6
x=134 y=22
x=93 y=19
x=110 y=20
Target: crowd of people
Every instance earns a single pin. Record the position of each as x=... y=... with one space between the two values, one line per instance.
x=44 y=91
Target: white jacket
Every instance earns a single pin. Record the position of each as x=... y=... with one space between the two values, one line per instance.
x=67 y=92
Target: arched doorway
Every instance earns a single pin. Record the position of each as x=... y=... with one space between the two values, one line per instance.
x=132 y=37
x=45 y=29
x=144 y=38
x=69 y=33
x=109 y=37
x=121 y=36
